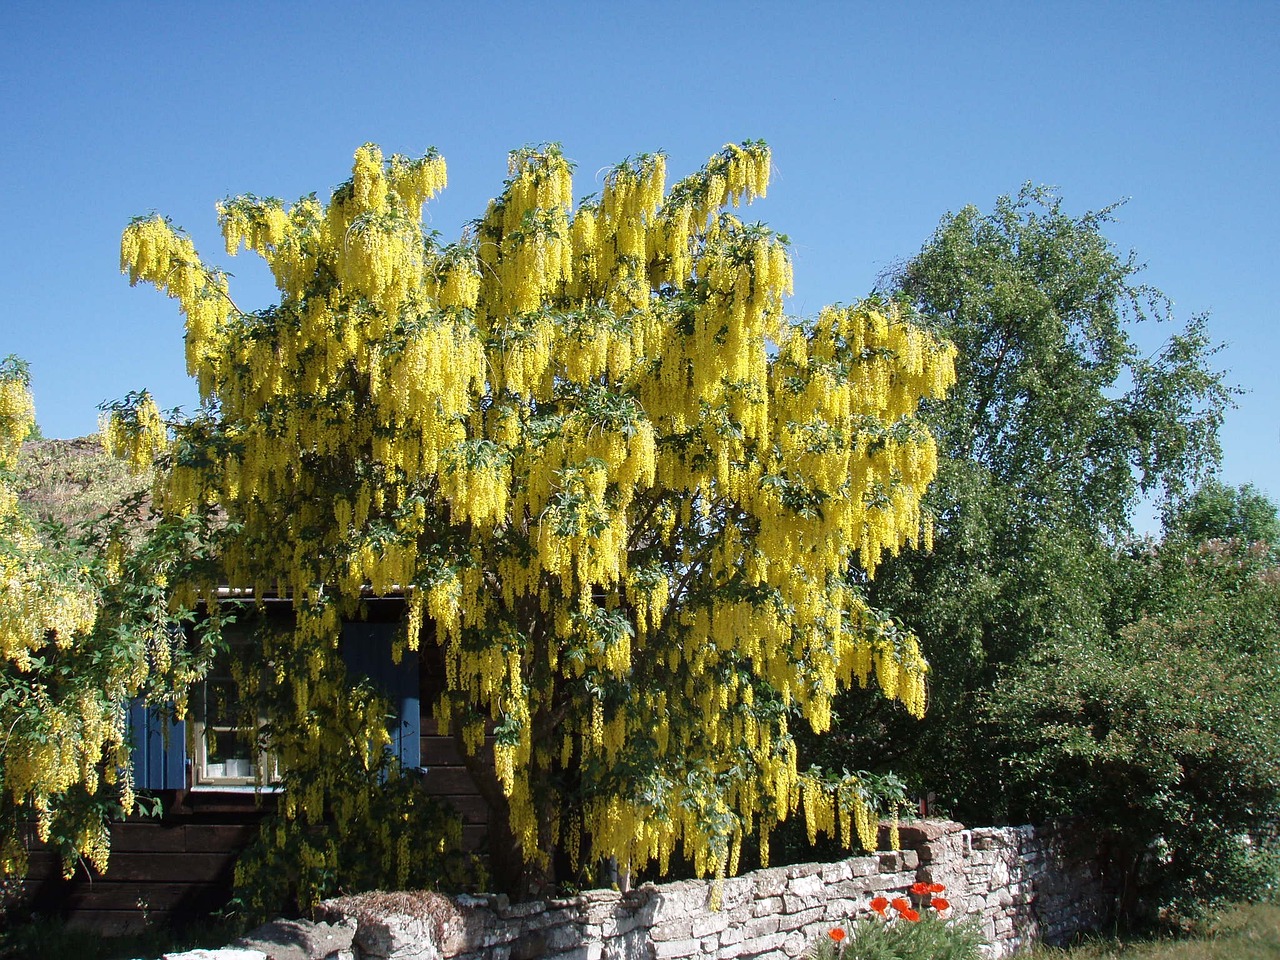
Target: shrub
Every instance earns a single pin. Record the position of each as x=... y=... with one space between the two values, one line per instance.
x=1165 y=739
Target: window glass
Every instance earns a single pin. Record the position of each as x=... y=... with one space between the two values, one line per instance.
x=227 y=749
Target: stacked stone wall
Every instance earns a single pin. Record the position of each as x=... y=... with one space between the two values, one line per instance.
x=1019 y=884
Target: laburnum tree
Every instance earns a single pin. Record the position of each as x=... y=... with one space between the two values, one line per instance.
x=588 y=445
x=43 y=606
x=86 y=628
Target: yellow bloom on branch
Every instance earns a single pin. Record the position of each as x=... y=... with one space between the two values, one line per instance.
x=589 y=444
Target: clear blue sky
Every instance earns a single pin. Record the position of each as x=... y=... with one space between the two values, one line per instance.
x=882 y=118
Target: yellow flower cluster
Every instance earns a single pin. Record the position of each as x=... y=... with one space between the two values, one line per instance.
x=137 y=436
x=53 y=740
x=17 y=416
x=590 y=447
x=524 y=249
x=35 y=603
x=153 y=252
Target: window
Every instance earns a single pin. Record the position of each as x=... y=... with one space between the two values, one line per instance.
x=367 y=652
x=224 y=739
x=218 y=745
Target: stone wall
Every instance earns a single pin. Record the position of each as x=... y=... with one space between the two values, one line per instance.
x=1023 y=884
x=1018 y=883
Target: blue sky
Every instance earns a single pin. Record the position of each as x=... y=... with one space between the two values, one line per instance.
x=882 y=118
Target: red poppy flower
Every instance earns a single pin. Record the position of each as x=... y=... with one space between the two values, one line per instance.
x=939 y=904
x=937 y=887
x=836 y=934
x=909 y=914
x=879 y=904
x=920 y=889
x=900 y=904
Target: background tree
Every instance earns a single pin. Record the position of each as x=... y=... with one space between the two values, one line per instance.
x=566 y=440
x=1164 y=737
x=1057 y=426
x=1216 y=511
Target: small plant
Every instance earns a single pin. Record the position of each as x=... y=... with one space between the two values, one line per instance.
x=903 y=929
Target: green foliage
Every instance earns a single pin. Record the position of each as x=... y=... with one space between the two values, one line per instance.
x=1057 y=425
x=1164 y=737
x=407 y=841
x=87 y=624
x=929 y=938
x=1054 y=400
x=348 y=818
x=1219 y=512
x=69 y=697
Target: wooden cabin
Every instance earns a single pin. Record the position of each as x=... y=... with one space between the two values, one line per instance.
x=179 y=865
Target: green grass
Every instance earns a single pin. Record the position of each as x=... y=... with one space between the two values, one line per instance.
x=1249 y=932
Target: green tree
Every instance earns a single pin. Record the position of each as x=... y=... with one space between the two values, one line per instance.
x=1057 y=426
x=1216 y=511
x=568 y=440
x=1164 y=738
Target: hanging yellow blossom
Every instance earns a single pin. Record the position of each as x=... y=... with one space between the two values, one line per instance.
x=590 y=446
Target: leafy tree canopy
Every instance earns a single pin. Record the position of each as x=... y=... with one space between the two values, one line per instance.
x=1216 y=511
x=586 y=442
x=1057 y=425
x=1054 y=402
x=1164 y=737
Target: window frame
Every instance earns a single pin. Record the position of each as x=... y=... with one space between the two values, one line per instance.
x=262 y=769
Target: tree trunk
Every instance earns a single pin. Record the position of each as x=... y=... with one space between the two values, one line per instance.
x=512 y=871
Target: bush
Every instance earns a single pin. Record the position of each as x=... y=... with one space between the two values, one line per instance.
x=403 y=839
x=1165 y=738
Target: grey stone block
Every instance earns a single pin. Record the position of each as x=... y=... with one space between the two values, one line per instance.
x=763 y=926
x=794 y=904
x=798 y=870
x=669 y=949
x=863 y=866
x=298 y=939
x=671 y=930
x=712 y=923
x=794 y=945
x=766 y=906
x=835 y=872
x=771 y=882
x=890 y=861
x=808 y=885
x=758 y=945
x=794 y=921
x=681 y=899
